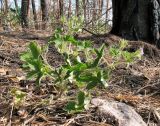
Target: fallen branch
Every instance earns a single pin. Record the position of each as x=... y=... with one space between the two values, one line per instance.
x=89 y=32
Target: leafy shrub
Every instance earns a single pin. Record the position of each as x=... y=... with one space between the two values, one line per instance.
x=82 y=65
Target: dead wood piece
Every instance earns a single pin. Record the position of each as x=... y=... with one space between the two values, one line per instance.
x=90 y=32
x=122 y=114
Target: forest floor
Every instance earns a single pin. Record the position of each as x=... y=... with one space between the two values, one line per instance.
x=142 y=92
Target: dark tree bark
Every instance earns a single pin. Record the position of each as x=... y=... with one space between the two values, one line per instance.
x=130 y=18
x=60 y=8
x=155 y=21
x=44 y=13
x=24 y=13
x=77 y=8
x=34 y=14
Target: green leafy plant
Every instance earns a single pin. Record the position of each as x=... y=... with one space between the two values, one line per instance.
x=79 y=105
x=34 y=63
x=18 y=97
x=82 y=66
x=120 y=55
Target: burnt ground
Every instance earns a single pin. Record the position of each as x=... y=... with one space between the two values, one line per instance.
x=138 y=86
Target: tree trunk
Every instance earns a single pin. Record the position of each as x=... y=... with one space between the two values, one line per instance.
x=107 y=8
x=85 y=12
x=34 y=14
x=131 y=19
x=100 y=4
x=5 y=14
x=24 y=13
x=6 y=6
x=94 y=14
x=88 y=10
x=60 y=8
x=69 y=9
x=77 y=8
x=44 y=13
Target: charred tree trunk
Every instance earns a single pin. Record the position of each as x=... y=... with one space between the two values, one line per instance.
x=137 y=19
x=155 y=21
x=125 y=18
x=44 y=13
x=24 y=13
x=34 y=14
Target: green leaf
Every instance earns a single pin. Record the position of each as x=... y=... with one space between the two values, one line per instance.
x=91 y=85
x=18 y=95
x=70 y=39
x=115 y=52
x=31 y=74
x=99 y=56
x=25 y=56
x=129 y=57
x=123 y=44
x=77 y=67
x=86 y=77
x=139 y=53
x=70 y=106
x=81 y=98
x=35 y=49
x=58 y=42
x=80 y=84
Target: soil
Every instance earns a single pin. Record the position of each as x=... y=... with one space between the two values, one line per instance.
x=138 y=86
